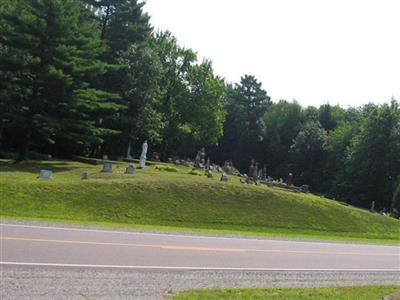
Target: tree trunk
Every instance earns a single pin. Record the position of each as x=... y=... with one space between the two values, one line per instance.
x=104 y=25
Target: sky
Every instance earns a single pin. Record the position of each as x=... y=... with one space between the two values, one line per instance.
x=343 y=52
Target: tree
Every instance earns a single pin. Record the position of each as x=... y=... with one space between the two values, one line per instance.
x=246 y=103
x=176 y=62
x=337 y=145
x=308 y=150
x=121 y=22
x=396 y=196
x=311 y=113
x=282 y=124
x=373 y=158
x=330 y=116
x=203 y=114
x=49 y=52
x=141 y=93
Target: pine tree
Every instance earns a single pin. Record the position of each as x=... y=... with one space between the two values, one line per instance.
x=49 y=52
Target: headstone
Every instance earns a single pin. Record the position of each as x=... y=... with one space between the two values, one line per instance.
x=209 y=174
x=289 y=181
x=305 y=188
x=85 y=175
x=264 y=173
x=251 y=168
x=105 y=157
x=224 y=177
x=107 y=167
x=202 y=155
x=255 y=172
x=156 y=156
x=372 y=209
x=197 y=160
x=45 y=174
x=143 y=156
x=130 y=170
x=208 y=163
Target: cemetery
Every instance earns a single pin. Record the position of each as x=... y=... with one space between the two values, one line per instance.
x=148 y=194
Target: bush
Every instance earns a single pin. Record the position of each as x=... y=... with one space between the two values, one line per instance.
x=166 y=168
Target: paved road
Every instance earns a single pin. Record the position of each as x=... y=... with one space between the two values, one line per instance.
x=51 y=246
x=74 y=263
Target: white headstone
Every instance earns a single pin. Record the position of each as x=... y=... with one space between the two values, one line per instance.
x=46 y=174
x=107 y=167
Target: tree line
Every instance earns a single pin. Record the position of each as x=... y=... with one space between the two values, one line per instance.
x=92 y=77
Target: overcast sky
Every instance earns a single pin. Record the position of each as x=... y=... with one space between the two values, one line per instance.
x=315 y=51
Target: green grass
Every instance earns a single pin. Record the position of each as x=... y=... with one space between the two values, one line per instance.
x=331 y=293
x=156 y=199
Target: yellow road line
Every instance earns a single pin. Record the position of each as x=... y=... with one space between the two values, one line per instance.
x=191 y=248
x=125 y=244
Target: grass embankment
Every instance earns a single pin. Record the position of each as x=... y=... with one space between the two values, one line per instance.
x=331 y=293
x=158 y=199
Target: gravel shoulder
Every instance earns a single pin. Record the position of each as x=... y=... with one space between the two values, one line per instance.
x=37 y=282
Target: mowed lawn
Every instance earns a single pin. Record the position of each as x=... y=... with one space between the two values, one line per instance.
x=159 y=199
x=327 y=293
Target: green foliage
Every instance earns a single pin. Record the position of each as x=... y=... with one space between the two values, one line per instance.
x=245 y=103
x=282 y=124
x=373 y=158
x=141 y=93
x=203 y=112
x=330 y=116
x=308 y=151
x=121 y=23
x=49 y=52
x=396 y=196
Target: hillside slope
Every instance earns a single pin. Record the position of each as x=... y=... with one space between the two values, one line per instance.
x=180 y=201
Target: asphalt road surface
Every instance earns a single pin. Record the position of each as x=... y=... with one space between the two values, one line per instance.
x=32 y=251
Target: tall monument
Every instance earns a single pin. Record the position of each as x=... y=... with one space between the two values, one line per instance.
x=142 y=162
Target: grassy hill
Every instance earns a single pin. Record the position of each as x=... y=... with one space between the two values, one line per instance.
x=161 y=199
